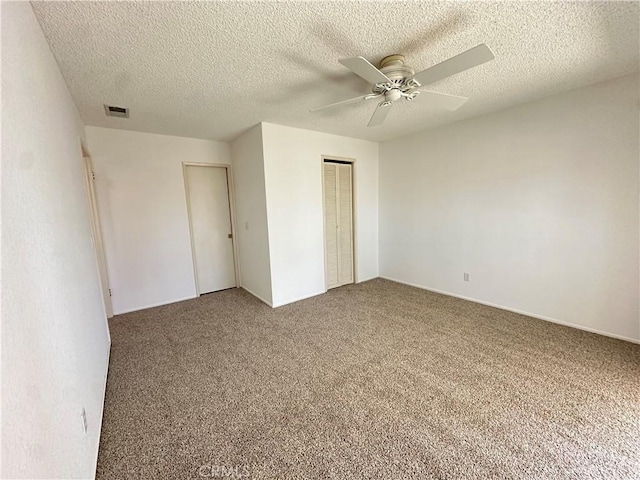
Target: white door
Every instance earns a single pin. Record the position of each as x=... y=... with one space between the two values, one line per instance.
x=210 y=220
x=338 y=223
x=96 y=236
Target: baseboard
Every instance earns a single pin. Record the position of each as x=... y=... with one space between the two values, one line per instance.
x=276 y=305
x=137 y=309
x=104 y=397
x=514 y=310
x=256 y=295
x=361 y=280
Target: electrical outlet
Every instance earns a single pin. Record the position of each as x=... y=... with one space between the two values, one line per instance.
x=84 y=420
x=466 y=277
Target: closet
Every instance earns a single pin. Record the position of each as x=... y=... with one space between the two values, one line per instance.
x=338 y=222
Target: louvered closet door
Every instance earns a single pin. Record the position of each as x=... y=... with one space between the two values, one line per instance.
x=338 y=209
x=345 y=225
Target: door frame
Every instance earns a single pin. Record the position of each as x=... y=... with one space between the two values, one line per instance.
x=96 y=231
x=354 y=214
x=232 y=215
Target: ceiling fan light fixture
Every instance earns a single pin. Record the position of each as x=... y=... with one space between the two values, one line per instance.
x=393 y=95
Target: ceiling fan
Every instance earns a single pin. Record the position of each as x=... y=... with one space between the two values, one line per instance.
x=394 y=80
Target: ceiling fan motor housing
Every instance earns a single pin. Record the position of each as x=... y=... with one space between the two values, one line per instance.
x=393 y=67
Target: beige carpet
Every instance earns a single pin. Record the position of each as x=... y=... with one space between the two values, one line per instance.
x=375 y=380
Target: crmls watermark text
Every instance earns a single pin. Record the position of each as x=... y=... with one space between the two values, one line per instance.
x=223 y=471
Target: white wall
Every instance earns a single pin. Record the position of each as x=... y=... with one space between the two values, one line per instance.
x=251 y=214
x=55 y=342
x=143 y=210
x=293 y=174
x=539 y=203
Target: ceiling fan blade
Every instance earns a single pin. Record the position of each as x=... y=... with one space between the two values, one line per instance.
x=464 y=61
x=443 y=100
x=345 y=102
x=360 y=66
x=380 y=114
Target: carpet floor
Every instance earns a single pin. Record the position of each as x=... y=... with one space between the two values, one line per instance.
x=374 y=380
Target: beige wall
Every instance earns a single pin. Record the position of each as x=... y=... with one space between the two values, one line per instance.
x=143 y=210
x=55 y=342
x=293 y=174
x=251 y=214
x=538 y=203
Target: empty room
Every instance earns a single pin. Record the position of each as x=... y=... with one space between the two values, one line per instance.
x=320 y=240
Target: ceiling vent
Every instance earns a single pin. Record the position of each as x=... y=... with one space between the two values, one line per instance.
x=112 y=111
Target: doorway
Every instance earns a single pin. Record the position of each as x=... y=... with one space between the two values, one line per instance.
x=209 y=207
x=96 y=234
x=338 y=222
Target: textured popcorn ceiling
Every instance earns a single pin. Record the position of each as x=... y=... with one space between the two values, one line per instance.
x=213 y=70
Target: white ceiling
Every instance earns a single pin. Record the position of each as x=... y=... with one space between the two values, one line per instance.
x=214 y=69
